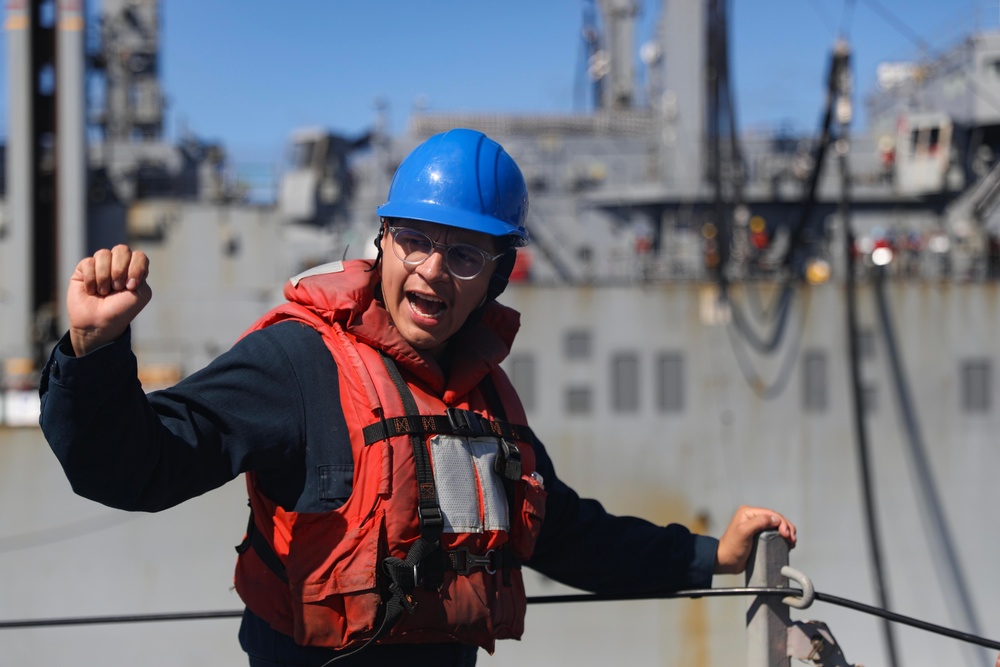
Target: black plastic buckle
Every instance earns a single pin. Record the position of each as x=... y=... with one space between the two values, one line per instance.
x=431 y=518
x=463 y=562
x=404 y=576
x=465 y=422
x=508 y=462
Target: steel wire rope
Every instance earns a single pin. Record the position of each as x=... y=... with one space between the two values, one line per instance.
x=779 y=591
x=899 y=26
x=823 y=14
x=776 y=591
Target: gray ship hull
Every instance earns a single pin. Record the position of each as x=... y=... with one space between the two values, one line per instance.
x=691 y=459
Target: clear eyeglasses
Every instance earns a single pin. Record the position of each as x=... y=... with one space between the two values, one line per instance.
x=464 y=261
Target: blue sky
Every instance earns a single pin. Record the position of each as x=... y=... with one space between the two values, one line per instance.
x=247 y=74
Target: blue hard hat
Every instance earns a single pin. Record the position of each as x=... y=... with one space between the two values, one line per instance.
x=461 y=178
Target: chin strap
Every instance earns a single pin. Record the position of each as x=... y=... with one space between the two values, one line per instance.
x=500 y=277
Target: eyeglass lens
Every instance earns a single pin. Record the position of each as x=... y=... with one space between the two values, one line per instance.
x=413 y=247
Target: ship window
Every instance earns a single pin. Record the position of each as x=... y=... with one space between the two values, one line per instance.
x=578 y=400
x=522 y=376
x=670 y=382
x=933 y=139
x=578 y=345
x=977 y=381
x=814 y=381
x=625 y=382
x=993 y=67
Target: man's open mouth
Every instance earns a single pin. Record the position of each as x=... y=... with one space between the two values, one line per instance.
x=426 y=306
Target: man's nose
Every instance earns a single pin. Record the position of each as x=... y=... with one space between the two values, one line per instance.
x=435 y=266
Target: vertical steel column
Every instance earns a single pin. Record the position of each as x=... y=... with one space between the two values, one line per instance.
x=71 y=182
x=767 y=616
x=682 y=34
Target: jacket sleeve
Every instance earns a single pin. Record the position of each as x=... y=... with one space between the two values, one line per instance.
x=583 y=546
x=126 y=449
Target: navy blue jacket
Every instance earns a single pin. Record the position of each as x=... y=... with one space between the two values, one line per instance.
x=269 y=405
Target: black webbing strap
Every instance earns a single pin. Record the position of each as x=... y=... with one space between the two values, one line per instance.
x=404 y=573
x=428 y=510
x=256 y=540
x=455 y=421
x=420 y=565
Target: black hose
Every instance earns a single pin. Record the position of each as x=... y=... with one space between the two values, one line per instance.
x=857 y=401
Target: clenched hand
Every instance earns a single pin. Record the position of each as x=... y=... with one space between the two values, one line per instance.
x=105 y=294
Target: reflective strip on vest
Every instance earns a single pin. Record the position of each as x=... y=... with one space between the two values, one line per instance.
x=470 y=493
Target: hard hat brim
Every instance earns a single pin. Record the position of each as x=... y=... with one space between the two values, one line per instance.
x=452 y=217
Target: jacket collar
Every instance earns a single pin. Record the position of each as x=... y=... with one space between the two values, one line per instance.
x=345 y=293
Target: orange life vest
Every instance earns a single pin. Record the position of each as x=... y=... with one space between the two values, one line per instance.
x=325 y=581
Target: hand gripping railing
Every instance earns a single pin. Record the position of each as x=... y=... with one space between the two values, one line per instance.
x=772 y=637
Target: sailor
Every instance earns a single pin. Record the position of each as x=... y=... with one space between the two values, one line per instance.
x=396 y=489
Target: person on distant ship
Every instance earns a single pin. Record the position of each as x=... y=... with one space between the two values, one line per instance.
x=396 y=490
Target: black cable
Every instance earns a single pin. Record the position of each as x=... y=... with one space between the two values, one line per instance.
x=819 y=160
x=749 y=335
x=857 y=397
x=693 y=593
x=114 y=620
x=761 y=312
x=936 y=521
x=560 y=599
x=751 y=377
x=906 y=620
x=721 y=115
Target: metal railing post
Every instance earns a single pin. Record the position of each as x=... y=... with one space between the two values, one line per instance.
x=767 y=616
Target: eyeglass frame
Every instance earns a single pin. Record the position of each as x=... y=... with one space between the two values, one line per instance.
x=444 y=247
